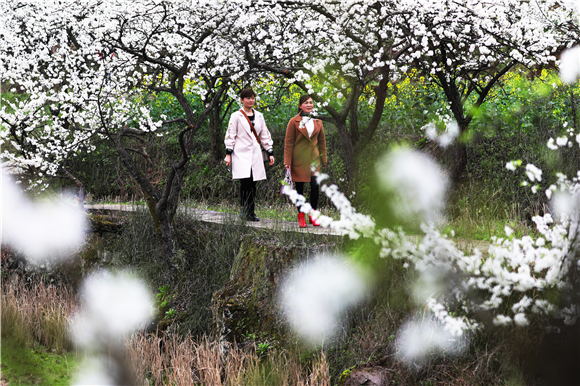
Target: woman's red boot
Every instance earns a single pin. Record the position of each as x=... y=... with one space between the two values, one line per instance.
x=313 y=221
x=301 y=220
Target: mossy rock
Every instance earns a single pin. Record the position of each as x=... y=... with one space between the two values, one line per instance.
x=105 y=223
x=247 y=304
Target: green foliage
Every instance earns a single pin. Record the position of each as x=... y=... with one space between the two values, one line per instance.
x=170 y=313
x=163 y=299
x=262 y=348
x=515 y=123
x=345 y=374
x=478 y=212
x=34 y=365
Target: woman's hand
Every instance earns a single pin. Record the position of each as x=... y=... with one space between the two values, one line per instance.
x=272 y=160
x=286 y=166
x=228 y=159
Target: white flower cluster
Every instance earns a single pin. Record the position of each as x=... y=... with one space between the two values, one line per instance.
x=444 y=138
x=113 y=305
x=351 y=222
x=77 y=73
x=419 y=184
x=566 y=140
x=475 y=32
x=44 y=231
x=421 y=338
x=315 y=294
x=82 y=71
x=513 y=279
x=570 y=58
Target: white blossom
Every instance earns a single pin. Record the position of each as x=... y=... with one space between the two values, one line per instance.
x=552 y=145
x=422 y=338
x=513 y=165
x=316 y=293
x=570 y=65
x=533 y=173
x=112 y=306
x=502 y=320
x=95 y=370
x=508 y=231
x=521 y=320
x=418 y=182
x=44 y=231
x=445 y=138
x=562 y=141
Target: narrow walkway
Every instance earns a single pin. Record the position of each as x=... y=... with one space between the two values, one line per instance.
x=286 y=226
x=223 y=218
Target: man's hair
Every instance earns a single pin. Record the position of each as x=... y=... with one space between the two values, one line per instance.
x=247 y=93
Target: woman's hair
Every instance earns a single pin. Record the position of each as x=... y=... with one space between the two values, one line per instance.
x=247 y=93
x=303 y=98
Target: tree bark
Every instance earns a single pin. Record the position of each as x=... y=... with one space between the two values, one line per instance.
x=456 y=160
x=347 y=151
x=216 y=136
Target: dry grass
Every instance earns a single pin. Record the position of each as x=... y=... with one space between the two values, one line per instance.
x=320 y=374
x=237 y=364
x=145 y=354
x=208 y=362
x=37 y=312
x=178 y=360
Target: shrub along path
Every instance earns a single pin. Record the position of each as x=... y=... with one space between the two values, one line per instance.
x=212 y=216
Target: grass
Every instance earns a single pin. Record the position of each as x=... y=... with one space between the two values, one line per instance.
x=187 y=361
x=485 y=228
x=34 y=365
x=479 y=213
x=157 y=358
x=32 y=314
x=189 y=356
x=280 y=212
x=206 y=253
x=34 y=336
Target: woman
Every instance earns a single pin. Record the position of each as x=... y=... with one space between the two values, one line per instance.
x=305 y=149
x=246 y=136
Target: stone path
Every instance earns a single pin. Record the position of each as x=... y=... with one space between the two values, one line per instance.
x=287 y=226
x=223 y=218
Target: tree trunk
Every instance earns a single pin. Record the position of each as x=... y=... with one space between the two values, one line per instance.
x=168 y=238
x=347 y=151
x=216 y=136
x=456 y=157
x=167 y=208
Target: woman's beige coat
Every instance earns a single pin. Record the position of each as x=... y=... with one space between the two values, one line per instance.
x=247 y=154
x=302 y=152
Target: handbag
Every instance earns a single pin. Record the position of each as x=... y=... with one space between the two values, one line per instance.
x=287 y=181
x=265 y=155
